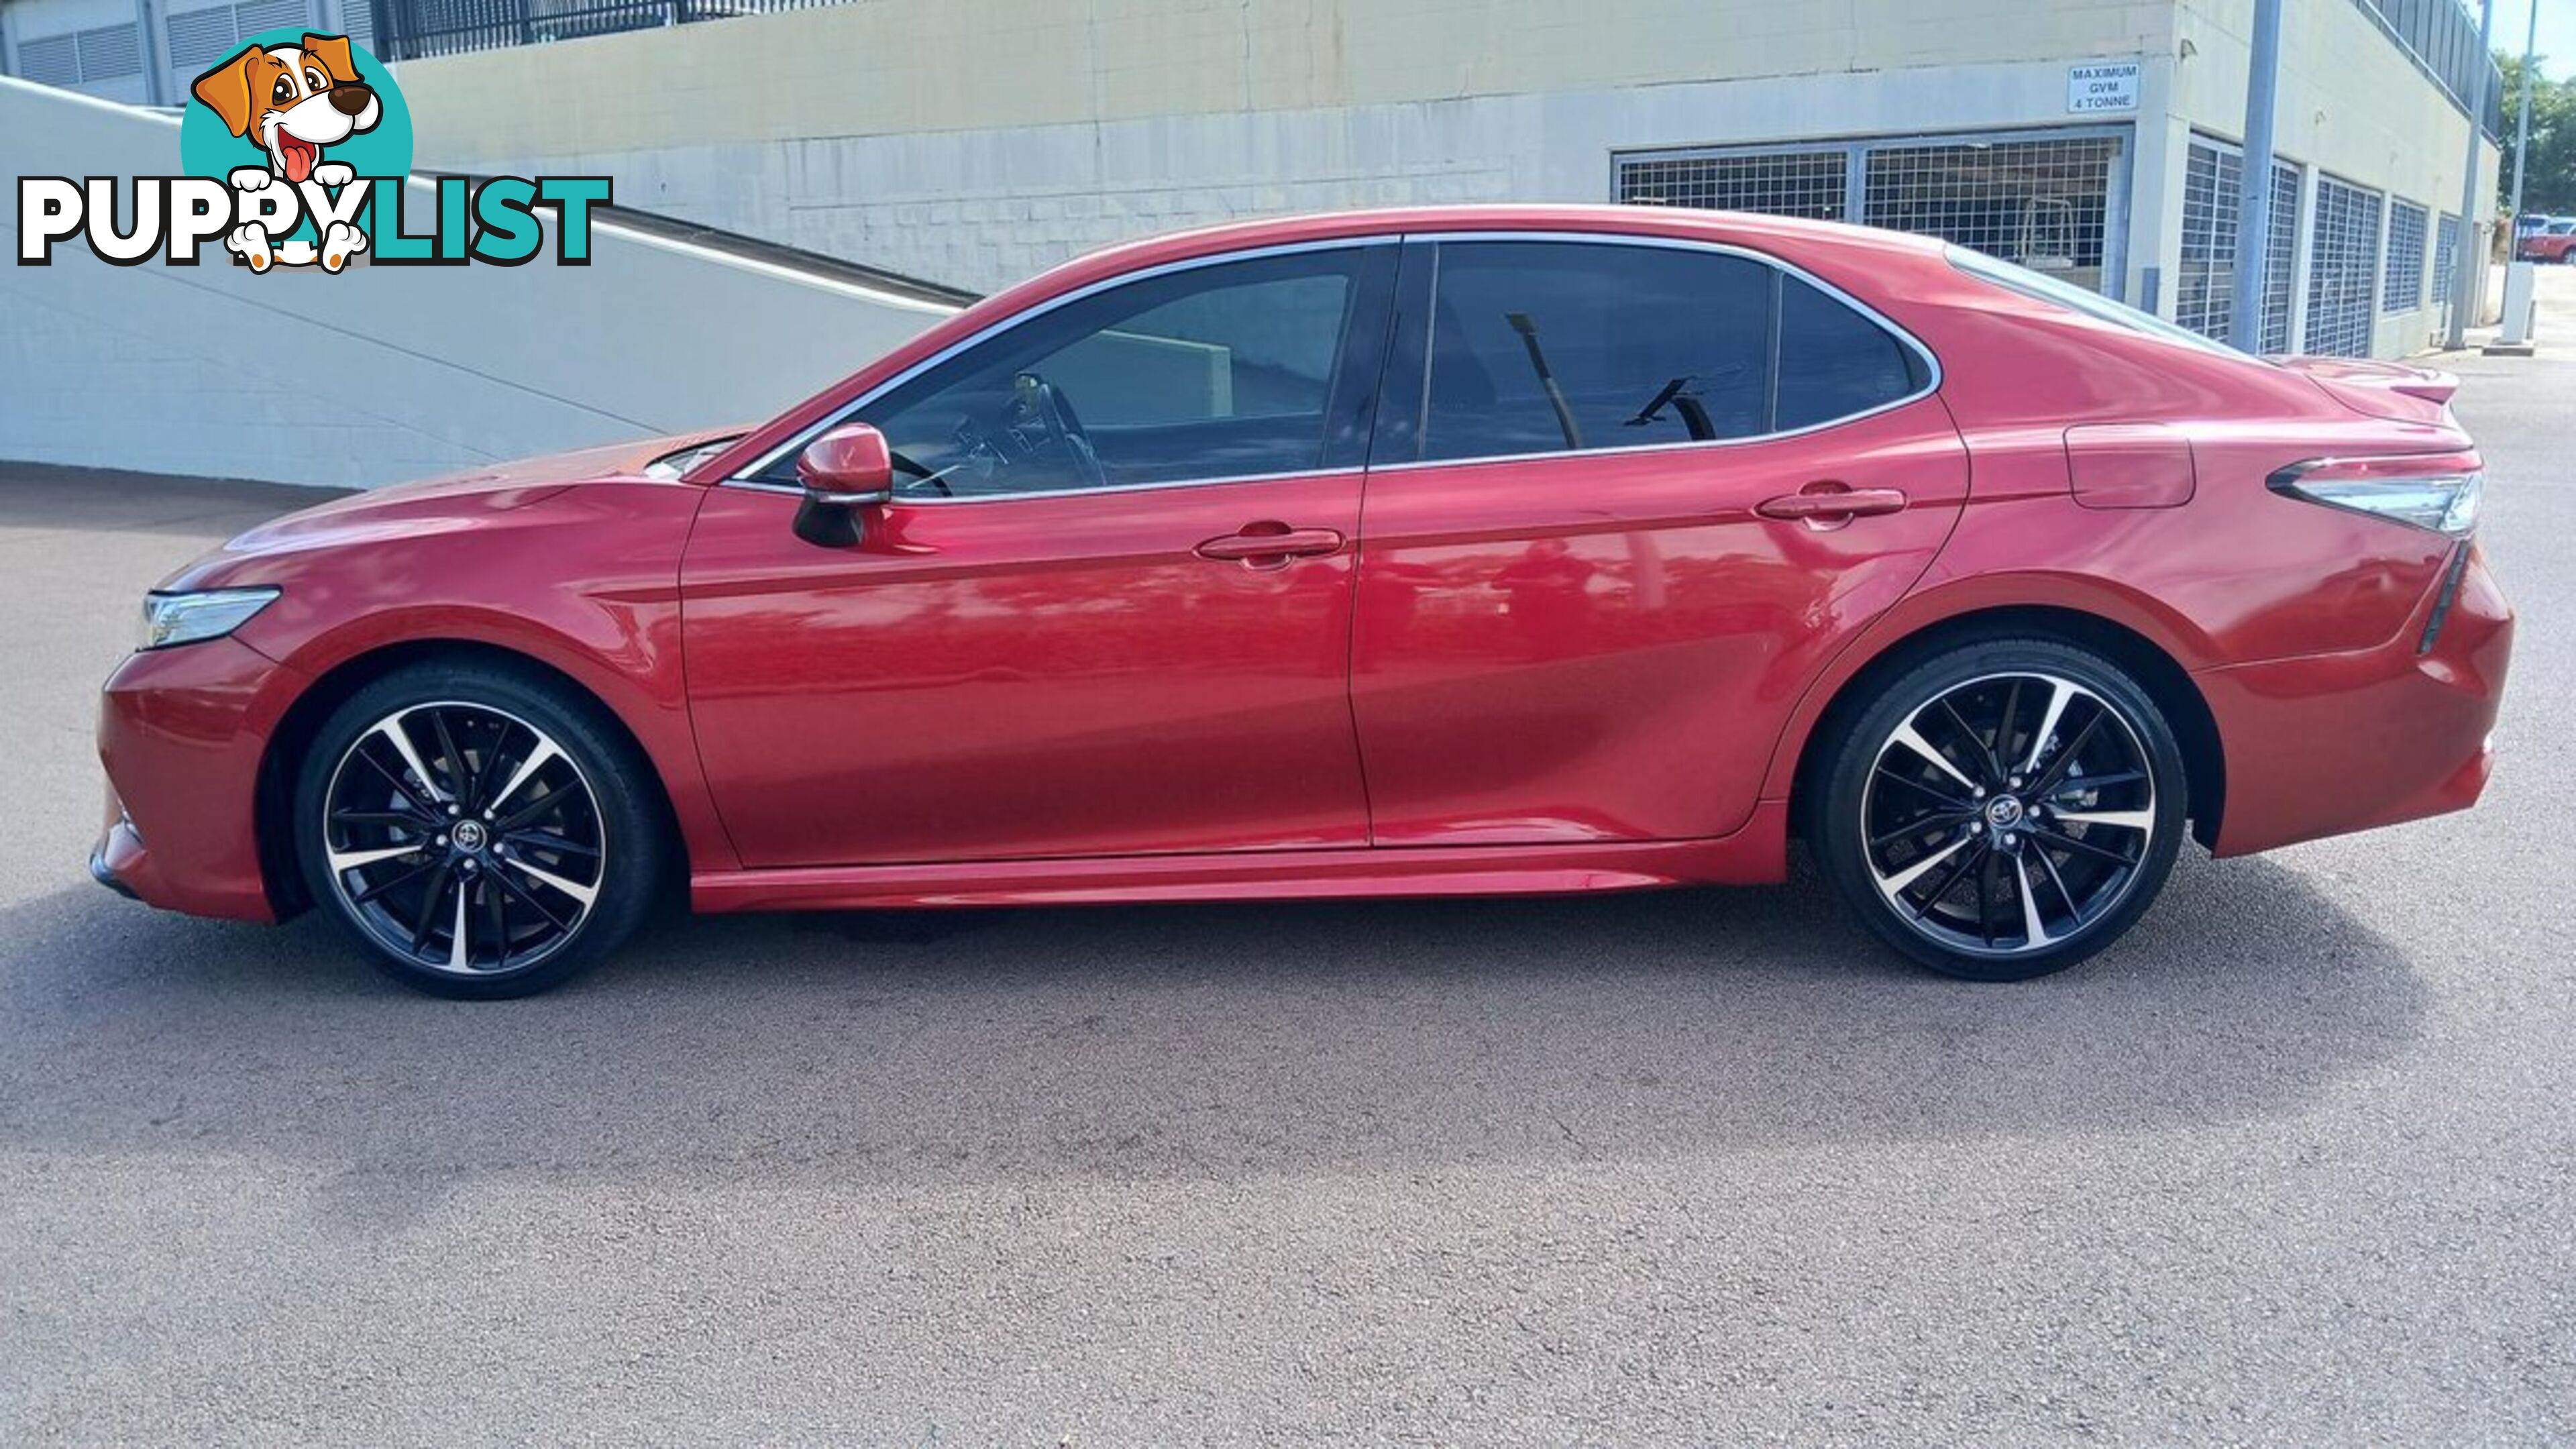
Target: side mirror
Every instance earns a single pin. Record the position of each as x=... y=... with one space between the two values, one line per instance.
x=844 y=471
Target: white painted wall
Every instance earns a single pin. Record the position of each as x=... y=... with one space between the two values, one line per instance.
x=385 y=373
x=2351 y=103
x=976 y=141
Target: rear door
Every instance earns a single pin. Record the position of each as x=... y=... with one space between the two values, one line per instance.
x=1626 y=498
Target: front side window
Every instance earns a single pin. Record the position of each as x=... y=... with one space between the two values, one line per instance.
x=1548 y=346
x=1220 y=371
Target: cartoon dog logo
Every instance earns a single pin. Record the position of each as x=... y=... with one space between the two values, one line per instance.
x=291 y=101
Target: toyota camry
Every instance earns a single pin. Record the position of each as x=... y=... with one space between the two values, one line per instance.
x=1435 y=552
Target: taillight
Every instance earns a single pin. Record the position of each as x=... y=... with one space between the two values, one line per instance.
x=2436 y=491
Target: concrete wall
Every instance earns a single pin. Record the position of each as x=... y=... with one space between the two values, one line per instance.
x=975 y=141
x=383 y=373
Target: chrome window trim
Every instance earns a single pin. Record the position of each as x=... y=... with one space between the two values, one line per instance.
x=748 y=477
x=793 y=491
x=1931 y=362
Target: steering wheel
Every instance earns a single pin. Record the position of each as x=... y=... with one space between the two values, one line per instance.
x=1054 y=412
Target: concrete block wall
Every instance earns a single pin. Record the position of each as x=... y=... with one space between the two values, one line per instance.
x=385 y=373
x=975 y=141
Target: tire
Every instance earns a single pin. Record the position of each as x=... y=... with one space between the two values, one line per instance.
x=485 y=832
x=1985 y=863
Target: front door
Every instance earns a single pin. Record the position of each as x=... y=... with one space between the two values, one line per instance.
x=1108 y=612
x=1627 y=500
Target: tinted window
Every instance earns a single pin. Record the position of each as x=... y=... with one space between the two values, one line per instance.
x=1540 y=347
x=1209 y=372
x=2079 y=299
x=1834 y=362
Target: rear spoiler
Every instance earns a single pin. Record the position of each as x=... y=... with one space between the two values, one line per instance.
x=2380 y=389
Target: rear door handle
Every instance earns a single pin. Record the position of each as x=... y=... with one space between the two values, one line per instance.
x=1271 y=544
x=1823 y=503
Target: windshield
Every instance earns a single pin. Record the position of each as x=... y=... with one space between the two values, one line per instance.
x=2079 y=299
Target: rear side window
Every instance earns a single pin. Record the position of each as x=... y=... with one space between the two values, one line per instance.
x=1539 y=347
x=1834 y=362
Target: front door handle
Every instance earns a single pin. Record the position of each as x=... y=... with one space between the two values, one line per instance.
x=1831 y=503
x=1271 y=545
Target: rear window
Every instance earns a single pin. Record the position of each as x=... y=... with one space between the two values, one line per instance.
x=2073 y=298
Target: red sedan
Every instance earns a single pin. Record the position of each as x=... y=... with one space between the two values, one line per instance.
x=1441 y=552
x=2555 y=242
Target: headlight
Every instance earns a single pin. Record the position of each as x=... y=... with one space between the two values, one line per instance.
x=193 y=617
x=2437 y=491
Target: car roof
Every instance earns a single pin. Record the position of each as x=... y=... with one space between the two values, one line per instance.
x=1790 y=236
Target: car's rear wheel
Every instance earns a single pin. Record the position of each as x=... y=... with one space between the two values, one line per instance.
x=2003 y=809
x=483 y=832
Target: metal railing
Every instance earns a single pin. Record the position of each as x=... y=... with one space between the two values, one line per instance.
x=2442 y=35
x=411 y=29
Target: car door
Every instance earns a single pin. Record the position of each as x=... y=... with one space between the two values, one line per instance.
x=1627 y=497
x=1107 y=612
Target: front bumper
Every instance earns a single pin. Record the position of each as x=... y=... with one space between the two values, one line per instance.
x=181 y=733
x=2332 y=743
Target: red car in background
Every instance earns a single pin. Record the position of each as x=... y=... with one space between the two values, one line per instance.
x=1405 y=553
x=2553 y=242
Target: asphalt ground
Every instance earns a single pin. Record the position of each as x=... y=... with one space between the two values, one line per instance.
x=2292 y=1163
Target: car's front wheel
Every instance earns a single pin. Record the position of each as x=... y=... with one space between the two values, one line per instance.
x=482 y=831
x=2004 y=809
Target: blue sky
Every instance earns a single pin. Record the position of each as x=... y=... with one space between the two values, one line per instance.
x=2557 y=32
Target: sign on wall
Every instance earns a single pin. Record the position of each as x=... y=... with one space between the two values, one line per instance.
x=2110 y=85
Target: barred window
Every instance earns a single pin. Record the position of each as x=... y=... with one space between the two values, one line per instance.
x=2040 y=200
x=2205 y=289
x=1810 y=184
x=2280 y=257
x=2446 y=247
x=2038 y=204
x=2404 y=289
x=2343 y=269
x=2212 y=203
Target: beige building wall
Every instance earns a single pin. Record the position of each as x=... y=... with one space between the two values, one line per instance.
x=974 y=141
x=2352 y=103
x=903 y=66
